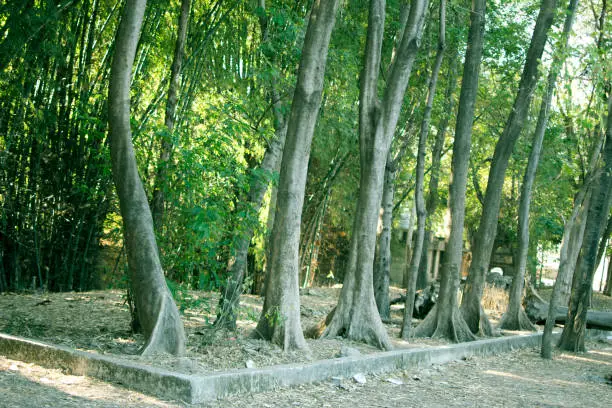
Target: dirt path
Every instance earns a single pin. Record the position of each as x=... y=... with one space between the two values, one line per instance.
x=517 y=379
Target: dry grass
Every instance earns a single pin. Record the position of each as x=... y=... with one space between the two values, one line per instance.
x=494 y=299
x=99 y=321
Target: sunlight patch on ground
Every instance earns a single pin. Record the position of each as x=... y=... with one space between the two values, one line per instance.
x=584 y=359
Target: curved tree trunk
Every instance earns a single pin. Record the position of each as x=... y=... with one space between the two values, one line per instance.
x=515 y=317
x=258 y=185
x=483 y=243
x=419 y=193
x=161 y=177
x=157 y=313
x=572 y=338
x=570 y=248
x=356 y=316
x=237 y=266
x=445 y=320
x=280 y=317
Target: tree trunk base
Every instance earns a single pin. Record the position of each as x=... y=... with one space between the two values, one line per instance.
x=361 y=327
x=516 y=320
x=454 y=328
x=316 y=331
x=228 y=303
x=164 y=338
x=478 y=321
x=281 y=335
x=572 y=341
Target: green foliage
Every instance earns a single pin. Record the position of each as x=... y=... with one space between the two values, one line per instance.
x=186 y=300
x=57 y=205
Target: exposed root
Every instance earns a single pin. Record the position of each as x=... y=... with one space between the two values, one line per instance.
x=478 y=322
x=452 y=327
x=516 y=320
x=316 y=331
x=427 y=327
x=363 y=328
x=168 y=335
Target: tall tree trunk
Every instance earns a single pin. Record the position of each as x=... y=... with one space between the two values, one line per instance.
x=382 y=270
x=161 y=177
x=356 y=315
x=419 y=193
x=483 y=243
x=436 y=156
x=158 y=315
x=566 y=269
x=515 y=317
x=237 y=267
x=573 y=231
x=570 y=249
x=572 y=338
x=603 y=243
x=608 y=288
x=280 y=317
x=445 y=319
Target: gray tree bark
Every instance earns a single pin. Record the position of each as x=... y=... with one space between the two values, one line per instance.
x=157 y=313
x=382 y=269
x=436 y=156
x=161 y=177
x=608 y=288
x=573 y=233
x=484 y=239
x=280 y=317
x=356 y=315
x=445 y=320
x=419 y=193
x=515 y=317
x=572 y=338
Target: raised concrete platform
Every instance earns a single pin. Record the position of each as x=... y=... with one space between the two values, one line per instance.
x=199 y=388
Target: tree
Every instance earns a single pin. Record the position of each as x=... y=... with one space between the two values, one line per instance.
x=574 y=330
x=356 y=316
x=157 y=313
x=258 y=185
x=433 y=198
x=280 y=318
x=161 y=181
x=419 y=195
x=445 y=319
x=483 y=241
x=515 y=317
x=382 y=266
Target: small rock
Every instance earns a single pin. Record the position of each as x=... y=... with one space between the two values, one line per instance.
x=348 y=352
x=359 y=378
x=250 y=364
x=14 y=367
x=395 y=381
x=416 y=378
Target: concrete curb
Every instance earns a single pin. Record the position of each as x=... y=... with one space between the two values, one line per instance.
x=200 y=388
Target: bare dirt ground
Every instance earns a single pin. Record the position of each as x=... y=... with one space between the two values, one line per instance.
x=517 y=379
x=99 y=321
